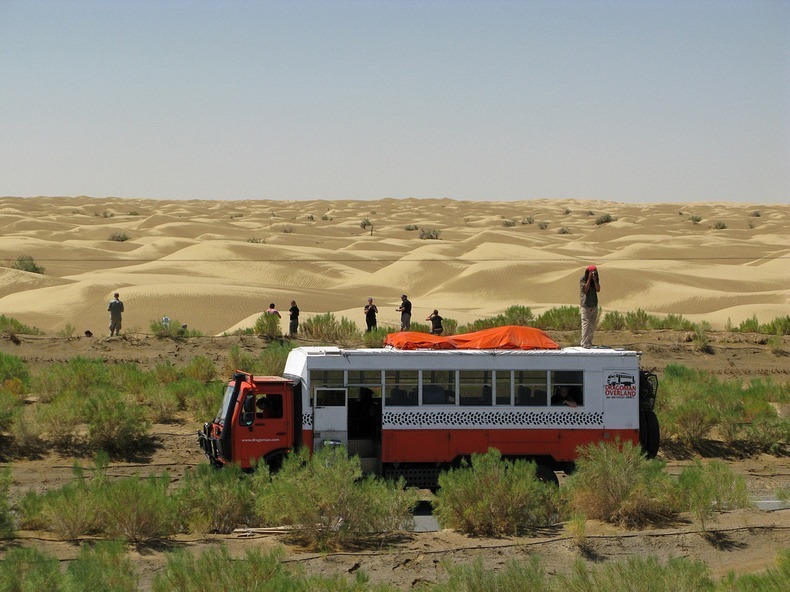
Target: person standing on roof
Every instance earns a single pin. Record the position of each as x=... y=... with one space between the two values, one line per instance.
x=436 y=322
x=589 y=286
x=405 y=313
x=116 y=313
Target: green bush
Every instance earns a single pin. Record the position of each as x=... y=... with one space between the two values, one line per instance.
x=375 y=338
x=138 y=509
x=493 y=497
x=119 y=237
x=25 y=569
x=162 y=403
x=605 y=219
x=202 y=369
x=103 y=566
x=58 y=421
x=563 y=318
x=8 y=409
x=114 y=424
x=79 y=376
x=326 y=328
x=267 y=325
x=27 y=263
x=618 y=484
x=430 y=233
x=713 y=487
x=328 y=502
x=11 y=325
x=172 y=328
x=201 y=400
x=13 y=368
x=6 y=517
x=216 y=501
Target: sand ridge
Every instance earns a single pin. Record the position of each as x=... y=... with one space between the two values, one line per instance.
x=217 y=265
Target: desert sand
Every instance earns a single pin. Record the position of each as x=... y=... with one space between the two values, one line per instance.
x=216 y=265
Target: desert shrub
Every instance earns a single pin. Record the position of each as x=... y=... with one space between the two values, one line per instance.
x=719 y=226
x=639 y=573
x=701 y=342
x=162 y=403
x=618 y=484
x=6 y=517
x=12 y=326
x=67 y=331
x=268 y=325
x=237 y=360
x=326 y=217
x=326 y=328
x=271 y=361
x=713 y=487
x=564 y=230
x=674 y=322
x=430 y=233
x=328 y=502
x=769 y=580
x=514 y=576
x=218 y=501
x=489 y=496
x=25 y=431
x=637 y=320
x=605 y=219
x=119 y=237
x=695 y=219
x=102 y=566
x=27 y=263
x=166 y=327
x=166 y=373
x=543 y=225
x=508 y=222
x=411 y=227
x=114 y=424
x=513 y=315
x=68 y=512
x=375 y=338
x=420 y=327
x=750 y=325
x=25 y=569
x=528 y=220
x=58 y=421
x=79 y=376
x=612 y=321
x=365 y=223
x=769 y=434
x=13 y=368
x=200 y=400
x=778 y=326
x=138 y=509
x=562 y=318
x=8 y=409
x=691 y=420
x=201 y=368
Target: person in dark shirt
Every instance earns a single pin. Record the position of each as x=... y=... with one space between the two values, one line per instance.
x=405 y=313
x=293 y=325
x=370 y=315
x=116 y=313
x=436 y=322
x=589 y=286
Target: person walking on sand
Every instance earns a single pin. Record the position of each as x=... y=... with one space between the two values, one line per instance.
x=116 y=313
x=273 y=311
x=405 y=313
x=370 y=315
x=293 y=317
x=589 y=286
x=436 y=322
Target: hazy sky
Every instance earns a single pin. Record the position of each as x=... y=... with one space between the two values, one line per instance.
x=629 y=100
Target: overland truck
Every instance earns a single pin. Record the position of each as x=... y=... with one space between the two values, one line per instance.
x=423 y=403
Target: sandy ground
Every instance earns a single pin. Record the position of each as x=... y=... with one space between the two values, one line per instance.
x=744 y=541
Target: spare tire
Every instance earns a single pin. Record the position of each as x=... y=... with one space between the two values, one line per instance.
x=649 y=432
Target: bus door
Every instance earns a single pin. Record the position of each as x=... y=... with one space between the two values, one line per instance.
x=264 y=425
x=330 y=417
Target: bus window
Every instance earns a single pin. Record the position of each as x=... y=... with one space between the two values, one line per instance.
x=531 y=387
x=438 y=387
x=567 y=388
x=504 y=386
x=401 y=387
x=269 y=406
x=327 y=378
x=475 y=387
x=330 y=397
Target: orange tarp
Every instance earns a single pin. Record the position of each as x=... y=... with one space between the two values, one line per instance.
x=509 y=337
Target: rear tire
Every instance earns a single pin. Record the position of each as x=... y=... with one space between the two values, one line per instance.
x=649 y=433
x=545 y=474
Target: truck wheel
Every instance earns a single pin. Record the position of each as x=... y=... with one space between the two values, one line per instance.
x=546 y=475
x=649 y=433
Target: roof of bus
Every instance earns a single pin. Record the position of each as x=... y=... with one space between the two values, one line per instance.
x=328 y=350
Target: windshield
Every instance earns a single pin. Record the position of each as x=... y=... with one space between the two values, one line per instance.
x=223 y=410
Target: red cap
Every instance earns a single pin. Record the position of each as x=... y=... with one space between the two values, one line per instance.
x=591 y=268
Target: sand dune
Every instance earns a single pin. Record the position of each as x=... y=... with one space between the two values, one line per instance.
x=217 y=265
